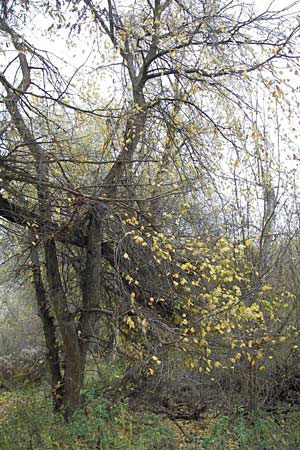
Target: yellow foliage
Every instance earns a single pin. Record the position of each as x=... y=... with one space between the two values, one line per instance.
x=129 y=322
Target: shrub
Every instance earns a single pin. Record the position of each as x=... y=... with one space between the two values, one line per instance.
x=26 y=367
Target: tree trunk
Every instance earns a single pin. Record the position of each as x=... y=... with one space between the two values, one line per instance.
x=72 y=380
x=49 y=331
x=91 y=282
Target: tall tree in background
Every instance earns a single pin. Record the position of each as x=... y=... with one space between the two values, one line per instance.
x=94 y=180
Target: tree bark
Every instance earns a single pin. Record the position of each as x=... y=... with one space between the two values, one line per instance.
x=49 y=331
x=91 y=282
x=72 y=354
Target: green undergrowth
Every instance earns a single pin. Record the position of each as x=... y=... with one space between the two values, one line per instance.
x=27 y=422
x=261 y=431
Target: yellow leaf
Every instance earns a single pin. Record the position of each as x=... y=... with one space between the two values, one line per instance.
x=155 y=358
x=145 y=323
x=138 y=239
x=259 y=355
x=129 y=322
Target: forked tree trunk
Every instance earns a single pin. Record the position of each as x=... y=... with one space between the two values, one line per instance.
x=67 y=381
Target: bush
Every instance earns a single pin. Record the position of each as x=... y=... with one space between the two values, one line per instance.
x=26 y=367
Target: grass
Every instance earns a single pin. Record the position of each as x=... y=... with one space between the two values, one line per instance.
x=28 y=423
x=261 y=431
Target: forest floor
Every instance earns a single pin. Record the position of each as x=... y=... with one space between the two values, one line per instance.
x=27 y=423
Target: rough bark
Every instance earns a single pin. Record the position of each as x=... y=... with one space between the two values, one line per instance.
x=72 y=355
x=91 y=283
x=49 y=331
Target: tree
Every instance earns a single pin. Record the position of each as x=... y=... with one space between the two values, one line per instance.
x=94 y=182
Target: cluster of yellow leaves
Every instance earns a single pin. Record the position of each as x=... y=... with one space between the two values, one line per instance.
x=210 y=283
